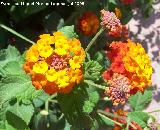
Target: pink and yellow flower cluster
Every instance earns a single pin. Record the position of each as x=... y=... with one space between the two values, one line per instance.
x=113 y=25
x=55 y=63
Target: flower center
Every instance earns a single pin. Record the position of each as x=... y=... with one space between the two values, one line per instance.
x=58 y=62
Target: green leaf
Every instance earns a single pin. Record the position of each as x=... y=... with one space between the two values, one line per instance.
x=12 y=68
x=16 y=87
x=7 y=56
x=92 y=70
x=9 y=127
x=69 y=31
x=139 y=117
x=140 y=101
x=2 y=125
x=3 y=110
x=14 y=122
x=72 y=106
x=29 y=95
x=106 y=120
x=93 y=98
x=12 y=53
x=2 y=54
x=40 y=99
x=22 y=111
x=101 y=58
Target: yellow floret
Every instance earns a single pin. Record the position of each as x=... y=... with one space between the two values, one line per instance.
x=44 y=49
x=32 y=54
x=51 y=75
x=47 y=38
x=40 y=67
x=63 y=79
x=75 y=62
x=61 y=48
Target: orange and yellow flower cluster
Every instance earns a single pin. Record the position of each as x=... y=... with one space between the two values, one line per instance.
x=130 y=61
x=88 y=23
x=55 y=63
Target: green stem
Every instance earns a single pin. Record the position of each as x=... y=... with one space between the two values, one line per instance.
x=47 y=105
x=95 y=85
x=53 y=96
x=115 y=116
x=48 y=100
x=111 y=120
x=15 y=33
x=62 y=115
x=93 y=40
x=110 y=114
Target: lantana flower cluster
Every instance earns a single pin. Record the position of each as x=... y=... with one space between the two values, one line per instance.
x=130 y=70
x=88 y=23
x=113 y=25
x=55 y=63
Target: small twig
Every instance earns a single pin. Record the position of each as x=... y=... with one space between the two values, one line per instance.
x=62 y=115
x=111 y=120
x=53 y=101
x=15 y=33
x=46 y=105
x=110 y=114
x=48 y=100
x=116 y=116
x=94 y=39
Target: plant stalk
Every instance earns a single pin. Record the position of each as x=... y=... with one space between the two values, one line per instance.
x=111 y=120
x=16 y=33
x=94 y=39
x=49 y=100
x=115 y=116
